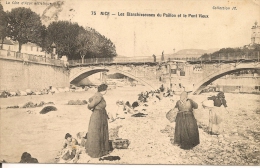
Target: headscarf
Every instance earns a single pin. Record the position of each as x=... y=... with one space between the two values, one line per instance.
x=183 y=97
x=67 y=136
x=221 y=95
x=102 y=87
x=25 y=156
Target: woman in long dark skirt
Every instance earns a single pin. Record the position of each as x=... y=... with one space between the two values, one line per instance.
x=186 y=130
x=97 y=144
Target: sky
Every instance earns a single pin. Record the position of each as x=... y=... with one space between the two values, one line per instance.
x=145 y=36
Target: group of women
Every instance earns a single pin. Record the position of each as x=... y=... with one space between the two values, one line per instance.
x=186 y=129
x=186 y=134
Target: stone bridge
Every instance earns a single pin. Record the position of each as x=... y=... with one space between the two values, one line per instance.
x=220 y=71
x=42 y=72
x=79 y=73
x=148 y=75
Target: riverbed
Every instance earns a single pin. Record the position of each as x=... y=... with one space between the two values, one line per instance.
x=41 y=135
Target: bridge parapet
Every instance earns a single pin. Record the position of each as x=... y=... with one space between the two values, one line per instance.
x=226 y=57
x=5 y=54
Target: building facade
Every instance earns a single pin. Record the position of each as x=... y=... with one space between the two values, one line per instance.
x=28 y=48
x=255 y=37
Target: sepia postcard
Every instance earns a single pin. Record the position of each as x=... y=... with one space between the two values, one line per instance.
x=144 y=82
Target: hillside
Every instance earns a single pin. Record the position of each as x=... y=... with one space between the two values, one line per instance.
x=190 y=53
x=180 y=54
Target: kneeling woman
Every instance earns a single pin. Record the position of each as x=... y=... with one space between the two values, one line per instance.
x=97 y=144
x=186 y=130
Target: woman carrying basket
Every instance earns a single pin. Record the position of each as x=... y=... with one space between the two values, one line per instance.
x=186 y=129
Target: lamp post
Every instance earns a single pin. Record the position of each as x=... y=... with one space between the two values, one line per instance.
x=53 y=46
x=82 y=58
x=170 y=74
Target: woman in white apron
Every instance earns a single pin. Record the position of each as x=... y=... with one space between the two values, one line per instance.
x=217 y=113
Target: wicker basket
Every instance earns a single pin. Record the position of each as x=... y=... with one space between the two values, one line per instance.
x=120 y=143
x=171 y=115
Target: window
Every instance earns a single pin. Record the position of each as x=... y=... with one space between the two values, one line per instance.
x=182 y=73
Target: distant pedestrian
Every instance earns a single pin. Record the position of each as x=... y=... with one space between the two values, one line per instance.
x=128 y=108
x=162 y=59
x=162 y=88
x=186 y=130
x=135 y=104
x=154 y=58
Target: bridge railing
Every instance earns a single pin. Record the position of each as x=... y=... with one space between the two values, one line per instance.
x=111 y=60
x=221 y=57
x=29 y=57
x=90 y=61
x=235 y=56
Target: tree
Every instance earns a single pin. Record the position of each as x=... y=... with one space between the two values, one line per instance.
x=24 y=26
x=256 y=47
x=226 y=52
x=76 y=42
x=64 y=34
x=3 y=25
x=85 y=43
x=42 y=40
x=107 y=48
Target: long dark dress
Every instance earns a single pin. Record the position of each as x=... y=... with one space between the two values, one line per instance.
x=97 y=144
x=186 y=130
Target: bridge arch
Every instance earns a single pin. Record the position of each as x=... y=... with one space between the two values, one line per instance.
x=75 y=78
x=85 y=72
x=212 y=77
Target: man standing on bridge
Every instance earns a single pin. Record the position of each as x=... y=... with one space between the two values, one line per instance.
x=162 y=59
x=154 y=58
